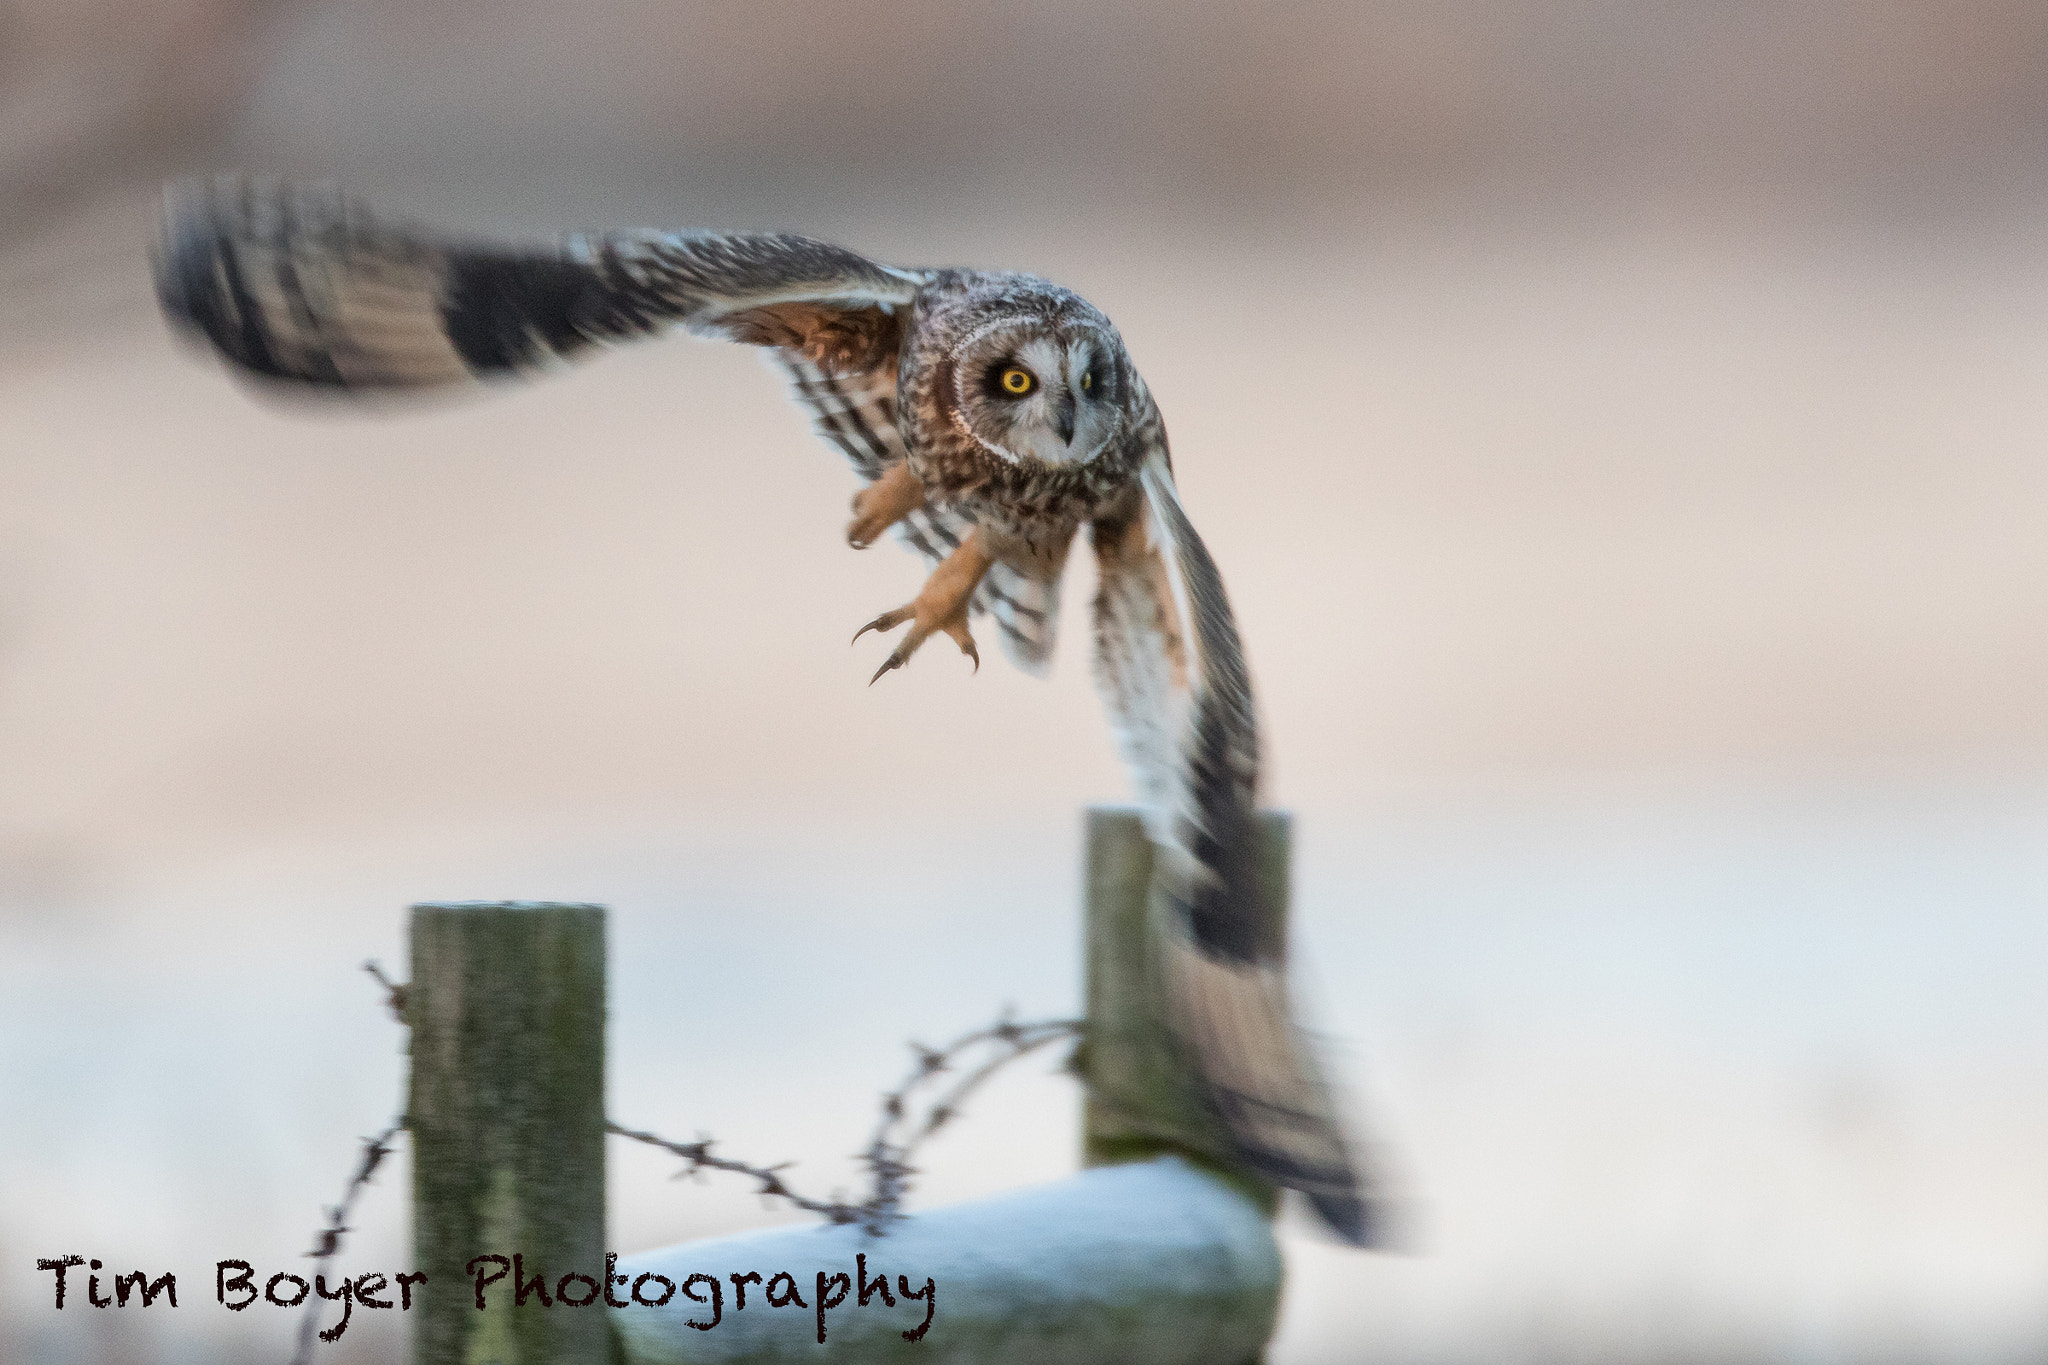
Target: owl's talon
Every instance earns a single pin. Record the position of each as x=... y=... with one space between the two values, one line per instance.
x=923 y=627
x=882 y=504
x=941 y=606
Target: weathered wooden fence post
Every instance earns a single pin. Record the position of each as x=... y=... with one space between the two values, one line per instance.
x=507 y=1008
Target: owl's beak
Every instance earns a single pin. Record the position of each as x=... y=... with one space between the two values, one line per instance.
x=1063 y=418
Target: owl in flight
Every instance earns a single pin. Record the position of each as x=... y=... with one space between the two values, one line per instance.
x=989 y=415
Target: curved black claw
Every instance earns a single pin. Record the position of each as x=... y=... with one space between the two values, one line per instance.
x=888 y=620
x=919 y=633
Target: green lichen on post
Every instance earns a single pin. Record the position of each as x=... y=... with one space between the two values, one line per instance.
x=1143 y=1097
x=507 y=1007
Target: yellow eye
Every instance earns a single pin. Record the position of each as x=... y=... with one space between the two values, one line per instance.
x=1018 y=382
x=1087 y=381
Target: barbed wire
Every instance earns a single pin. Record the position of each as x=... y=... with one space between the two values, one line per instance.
x=897 y=1135
x=327 y=1241
x=698 y=1155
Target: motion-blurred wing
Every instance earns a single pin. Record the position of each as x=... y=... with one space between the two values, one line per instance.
x=1173 y=674
x=306 y=286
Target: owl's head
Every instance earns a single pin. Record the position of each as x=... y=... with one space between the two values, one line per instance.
x=1039 y=375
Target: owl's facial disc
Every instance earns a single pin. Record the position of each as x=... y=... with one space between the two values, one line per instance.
x=1028 y=392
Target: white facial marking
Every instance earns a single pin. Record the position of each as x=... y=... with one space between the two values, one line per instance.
x=1027 y=426
x=1033 y=419
x=961 y=380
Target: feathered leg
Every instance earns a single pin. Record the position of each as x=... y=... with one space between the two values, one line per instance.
x=940 y=606
x=883 y=503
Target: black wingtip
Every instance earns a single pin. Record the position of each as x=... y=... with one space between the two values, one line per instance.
x=182 y=258
x=260 y=270
x=1368 y=1223
x=199 y=279
x=1351 y=1218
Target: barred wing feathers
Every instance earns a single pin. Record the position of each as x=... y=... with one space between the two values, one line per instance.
x=1173 y=675
x=305 y=286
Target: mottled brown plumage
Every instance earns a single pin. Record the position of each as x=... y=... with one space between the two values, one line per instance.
x=991 y=416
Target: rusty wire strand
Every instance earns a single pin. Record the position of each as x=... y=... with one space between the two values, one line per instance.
x=896 y=1137
x=327 y=1240
x=698 y=1155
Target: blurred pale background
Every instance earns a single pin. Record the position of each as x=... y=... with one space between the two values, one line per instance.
x=1622 y=428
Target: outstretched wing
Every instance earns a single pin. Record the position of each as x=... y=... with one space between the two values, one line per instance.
x=1173 y=674
x=306 y=286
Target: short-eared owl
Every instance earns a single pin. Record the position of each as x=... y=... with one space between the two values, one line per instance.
x=989 y=415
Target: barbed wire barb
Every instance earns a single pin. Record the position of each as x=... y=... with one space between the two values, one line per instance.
x=328 y=1239
x=394 y=991
x=895 y=1138
x=698 y=1158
